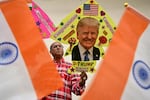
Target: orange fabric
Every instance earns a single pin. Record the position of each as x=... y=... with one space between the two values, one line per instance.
x=29 y=1
x=42 y=70
x=112 y=76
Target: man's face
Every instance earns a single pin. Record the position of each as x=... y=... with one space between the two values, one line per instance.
x=87 y=36
x=57 y=50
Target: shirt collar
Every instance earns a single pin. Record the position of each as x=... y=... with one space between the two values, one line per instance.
x=82 y=49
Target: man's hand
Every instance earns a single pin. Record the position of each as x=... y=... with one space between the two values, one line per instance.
x=84 y=77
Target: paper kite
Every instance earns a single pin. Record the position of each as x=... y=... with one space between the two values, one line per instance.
x=66 y=30
x=44 y=23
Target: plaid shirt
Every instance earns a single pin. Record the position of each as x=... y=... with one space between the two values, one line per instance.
x=71 y=84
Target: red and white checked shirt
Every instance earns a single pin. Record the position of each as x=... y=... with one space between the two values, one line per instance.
x=71 y=84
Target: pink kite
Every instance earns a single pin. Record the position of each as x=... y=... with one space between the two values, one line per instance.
x=44 y=23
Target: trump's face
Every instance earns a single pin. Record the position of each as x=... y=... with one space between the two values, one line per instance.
x=87 y=36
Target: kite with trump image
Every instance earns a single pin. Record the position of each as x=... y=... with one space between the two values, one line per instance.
x=66 y=33
x=66 y=30
x=124 y=74
x=27 y=71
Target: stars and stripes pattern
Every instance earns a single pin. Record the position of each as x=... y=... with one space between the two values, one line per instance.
x=90 y=9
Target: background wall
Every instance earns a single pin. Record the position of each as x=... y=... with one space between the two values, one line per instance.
x=59 y=9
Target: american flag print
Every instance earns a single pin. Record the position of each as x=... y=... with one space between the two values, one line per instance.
x=90 y=9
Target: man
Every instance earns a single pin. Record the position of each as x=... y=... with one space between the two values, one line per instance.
x=87 y=33
x=72 y=82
